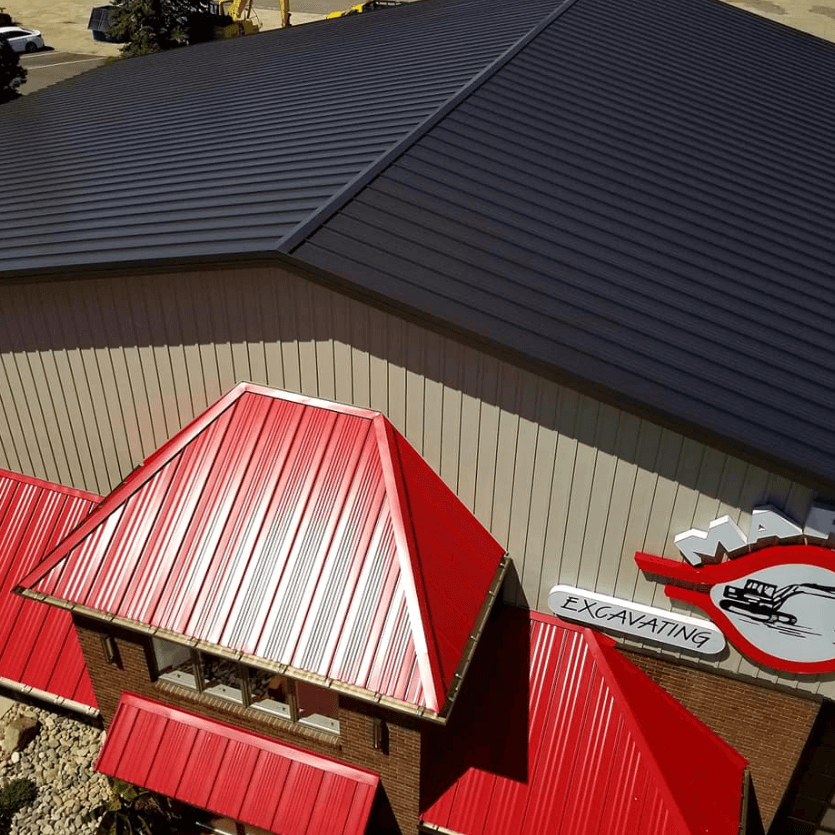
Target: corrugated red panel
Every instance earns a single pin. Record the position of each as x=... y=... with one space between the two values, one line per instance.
x=298 y=531
x=235 y=773
x=38 y=645
x=555 y=731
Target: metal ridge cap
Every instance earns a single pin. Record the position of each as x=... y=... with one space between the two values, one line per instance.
x=426 y=645
x=295 y=238
x=133 y=482
x=614 y=683
x=631 y=721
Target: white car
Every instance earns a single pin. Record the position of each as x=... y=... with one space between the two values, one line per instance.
x=22 y=40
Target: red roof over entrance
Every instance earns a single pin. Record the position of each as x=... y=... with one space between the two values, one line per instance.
x=556 y=732
x=295 y=531
x=38 y=645
x=235 y=773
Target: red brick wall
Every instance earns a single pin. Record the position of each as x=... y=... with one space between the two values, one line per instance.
x=398 y=765
x=768 y=727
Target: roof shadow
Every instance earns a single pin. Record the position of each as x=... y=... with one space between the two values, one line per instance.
x=489 y=727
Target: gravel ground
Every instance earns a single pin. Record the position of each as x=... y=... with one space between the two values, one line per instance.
x=60 y=762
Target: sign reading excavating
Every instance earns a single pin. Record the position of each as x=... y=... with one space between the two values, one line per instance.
x=645 y=622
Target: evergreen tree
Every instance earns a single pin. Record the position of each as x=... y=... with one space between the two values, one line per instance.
x=12 y=75
x=149 y=26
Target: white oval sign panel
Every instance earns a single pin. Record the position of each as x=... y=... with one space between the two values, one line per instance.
x=787 y=611
x=644 y=622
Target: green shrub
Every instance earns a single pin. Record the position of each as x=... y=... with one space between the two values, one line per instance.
x=13 y=797
x=16 y=795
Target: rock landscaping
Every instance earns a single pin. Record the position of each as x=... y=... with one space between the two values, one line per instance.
x=57 y=753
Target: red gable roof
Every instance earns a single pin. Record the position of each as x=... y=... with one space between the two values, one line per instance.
x=235 y=773
x=38 y=645
x=555 y=731
x=295 y=531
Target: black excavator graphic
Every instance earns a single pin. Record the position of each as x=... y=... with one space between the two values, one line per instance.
x=762 y=601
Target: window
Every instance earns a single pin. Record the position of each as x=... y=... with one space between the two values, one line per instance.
x=175 y=663
x=267 y=692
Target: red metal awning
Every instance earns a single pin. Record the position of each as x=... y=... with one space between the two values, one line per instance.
x=556 y=732
x=291 y=530
x=235 y=773
x=38 y=645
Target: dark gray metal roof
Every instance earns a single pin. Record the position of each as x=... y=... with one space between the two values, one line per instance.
x=225 y=147
x=643 y=197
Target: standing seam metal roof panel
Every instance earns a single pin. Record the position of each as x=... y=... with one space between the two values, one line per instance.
x=38 y=645
x=581 y=741
x=226 y=147
x=293 y=531
x=640 y=197
x=235 y=773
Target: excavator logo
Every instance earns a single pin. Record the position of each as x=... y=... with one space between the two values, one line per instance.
x=763 y=601
x=776 y=604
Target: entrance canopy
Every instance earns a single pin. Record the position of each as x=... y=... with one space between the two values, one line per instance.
x=39 y=650
x=556 y=732
x=235 y=773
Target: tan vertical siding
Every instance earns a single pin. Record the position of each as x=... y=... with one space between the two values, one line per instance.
x=96 y=374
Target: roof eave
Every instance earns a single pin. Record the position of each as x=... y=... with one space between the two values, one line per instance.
x=351 y=690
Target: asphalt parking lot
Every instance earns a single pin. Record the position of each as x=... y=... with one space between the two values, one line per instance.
x=48 y=66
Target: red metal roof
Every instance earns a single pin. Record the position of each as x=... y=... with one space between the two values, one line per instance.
x=235 y=773
x=293 y=530
x=38 y=645
x=556 y=732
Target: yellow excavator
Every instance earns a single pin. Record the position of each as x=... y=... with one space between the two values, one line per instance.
x=240 y=19
x=367 y=6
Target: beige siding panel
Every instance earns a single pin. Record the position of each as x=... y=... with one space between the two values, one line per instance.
x=95 y=374
x=342 y=352
x=360 y=357
x=488 y=440
x=48 y=389
x=580 y=495
x=451 y=414
x=239 y=346
x=639 y=512
x=30 y=397
x=265 y=297
x=544 y=460
x=320 y=310
x=396 y=352
x=169 y=336
x=600 y=497
x=617 y=512
x=378 y=371
x=524 y=461
x=305 y=327
x=470 y=437
x=433 y=399
x=29 y=440
x=562 y=484
x=157 y=352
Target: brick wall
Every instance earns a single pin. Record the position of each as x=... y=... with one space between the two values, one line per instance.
x=398 y=763
x=768 y=727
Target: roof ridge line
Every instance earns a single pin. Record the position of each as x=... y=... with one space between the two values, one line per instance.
x=295 y=238
x=428 y=654
x=613 y=682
